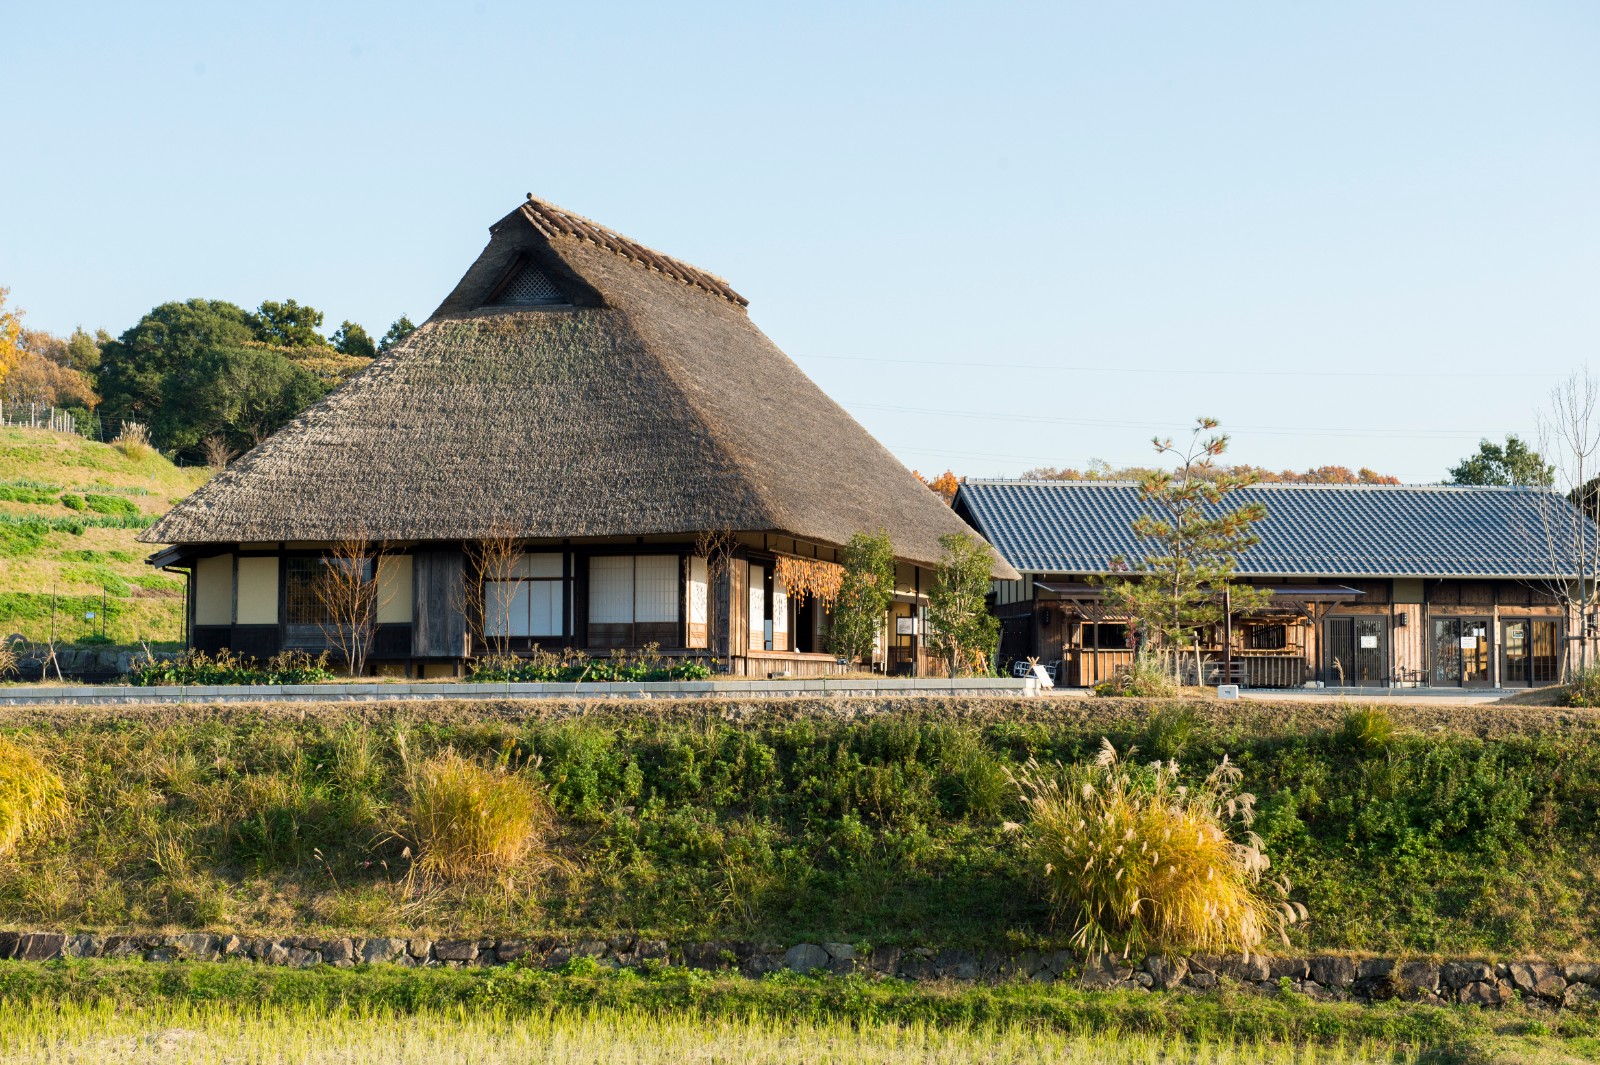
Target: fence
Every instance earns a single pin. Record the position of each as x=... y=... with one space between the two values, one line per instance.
x=34 y=416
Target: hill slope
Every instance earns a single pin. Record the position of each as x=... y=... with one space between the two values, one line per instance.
x=69 y=511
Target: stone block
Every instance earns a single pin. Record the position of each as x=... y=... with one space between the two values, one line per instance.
x=884 y=960
x=376 y=951
x=804 y=957
x=1578 y=995
x=1538 y=979
x=1104 y=970
x=340 y=953
x=277 y=954
x=456 y=950
x=161 y=954
x=1494 y=992
x=707 y=956
x=1293 y=968
x=39 y=946
x=420 y=949
x=509 y=950
x=1455 y=975
x=758 y=965
x=1332 y=972
x=1418 y=978
x=1251 y=969
x=1165 y=972
x=84 y=946
x=1582 y=972
x=197 y=946
x=956 y=965
x=1022 y=965
x=302 y=958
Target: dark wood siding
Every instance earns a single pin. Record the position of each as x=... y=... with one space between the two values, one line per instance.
x=439 y=629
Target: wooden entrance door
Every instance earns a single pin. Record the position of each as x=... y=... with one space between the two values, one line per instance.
x=1356 y=652
x=1529 y=655
x=1461 y=652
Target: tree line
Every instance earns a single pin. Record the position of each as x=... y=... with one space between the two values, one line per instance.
x=206 y=378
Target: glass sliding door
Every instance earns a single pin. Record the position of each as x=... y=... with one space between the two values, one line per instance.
x=1461 y=649
x=1529 y=655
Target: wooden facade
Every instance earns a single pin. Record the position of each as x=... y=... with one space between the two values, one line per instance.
x=1397 y=632
x=600 y=596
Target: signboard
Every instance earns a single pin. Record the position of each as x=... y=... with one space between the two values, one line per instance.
x=1042 y=677
x=1369 y=643
x=1469 y=643
x=905 y=626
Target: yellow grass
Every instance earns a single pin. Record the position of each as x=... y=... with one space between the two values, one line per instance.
x=189 y=1036
x=467 y=819
x=32 y=798
x=1139 y=862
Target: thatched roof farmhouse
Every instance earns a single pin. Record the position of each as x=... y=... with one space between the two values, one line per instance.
x=602 y=405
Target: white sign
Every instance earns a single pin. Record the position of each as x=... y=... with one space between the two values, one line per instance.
x=905 y=626
x=1227 y=691
x=1469 y=643
x=1369 y=643
x=1042 y=677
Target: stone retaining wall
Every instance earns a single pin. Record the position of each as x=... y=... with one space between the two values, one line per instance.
x=1483 y=983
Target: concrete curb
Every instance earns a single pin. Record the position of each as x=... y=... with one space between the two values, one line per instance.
x=122 y=694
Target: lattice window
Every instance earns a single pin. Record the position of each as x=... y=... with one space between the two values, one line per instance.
x=531 y=287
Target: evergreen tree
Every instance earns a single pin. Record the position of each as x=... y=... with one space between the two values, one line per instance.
x=864 y=595
x=1185 y=585
x=960 y=628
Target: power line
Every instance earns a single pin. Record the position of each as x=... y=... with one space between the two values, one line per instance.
x=1334 y=432
x=1429 y=374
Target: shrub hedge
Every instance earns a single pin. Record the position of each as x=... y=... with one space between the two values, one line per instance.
x=790 y=822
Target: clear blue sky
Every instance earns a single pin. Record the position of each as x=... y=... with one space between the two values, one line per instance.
x=1002 y=235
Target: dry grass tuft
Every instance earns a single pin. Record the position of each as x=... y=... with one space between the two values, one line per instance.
x=134 y=441
x=468 y=820
x=32 y=797
x=1142 y=863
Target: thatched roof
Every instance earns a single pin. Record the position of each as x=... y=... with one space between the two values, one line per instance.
x=648 y=404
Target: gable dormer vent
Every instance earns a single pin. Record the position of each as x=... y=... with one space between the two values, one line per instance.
x=530 y=287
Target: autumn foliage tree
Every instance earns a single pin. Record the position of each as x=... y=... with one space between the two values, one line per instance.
x=944 y=486
x=10 y=335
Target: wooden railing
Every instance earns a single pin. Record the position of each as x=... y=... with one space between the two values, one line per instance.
x=1086 y=668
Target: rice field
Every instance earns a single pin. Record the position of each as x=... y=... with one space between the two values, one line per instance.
x=221 y=1034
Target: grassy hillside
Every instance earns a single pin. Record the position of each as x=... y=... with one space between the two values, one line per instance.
x=786 y=822
x=70 y=510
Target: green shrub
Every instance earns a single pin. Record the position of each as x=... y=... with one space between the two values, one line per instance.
x=198 y=667
x=1169 y=732
x=466 y=820
x=23 y=492
x=21 y=539
x=1367 y=729
x=571 y=666
x=1582 y=688
x=73 y=501
x=113 y=505
x=1137 y=862
x=1149 y=677
x=32 y=797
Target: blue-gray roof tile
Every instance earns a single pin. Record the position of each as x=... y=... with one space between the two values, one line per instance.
x=1310 y=530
